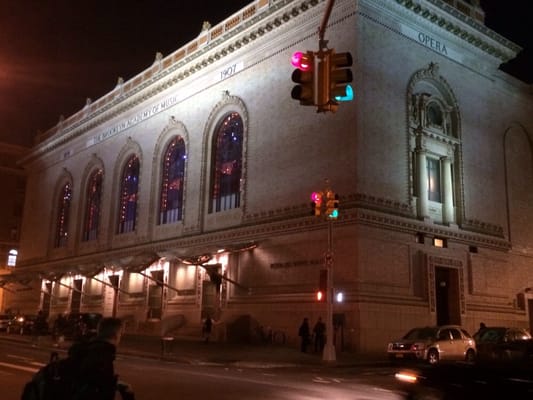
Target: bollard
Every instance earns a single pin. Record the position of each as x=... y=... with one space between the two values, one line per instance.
x=166 y=345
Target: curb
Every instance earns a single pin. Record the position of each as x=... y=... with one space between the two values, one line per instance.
x=245 y=356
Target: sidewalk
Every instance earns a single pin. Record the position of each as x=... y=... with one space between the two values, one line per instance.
x=196 y=352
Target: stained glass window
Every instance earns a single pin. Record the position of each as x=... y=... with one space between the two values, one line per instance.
x=63 y=211
x=171 y=201
x=128 y=195
x=227 y=164
x=92 y=210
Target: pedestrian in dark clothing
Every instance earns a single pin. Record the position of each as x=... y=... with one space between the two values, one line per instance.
x=480 y=331
x=97 y=374
x=319 y=331
x=207 y=328
x=304 y=332
x=58 y=329
x=40 y=327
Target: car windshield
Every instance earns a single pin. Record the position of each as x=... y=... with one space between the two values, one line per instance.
x=421 y=334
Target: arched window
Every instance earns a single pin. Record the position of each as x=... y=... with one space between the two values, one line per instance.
x=92 y=209
x=63 y=211
x=128 y=195
x=226 y=163
x=435 y=146
x=171 y=200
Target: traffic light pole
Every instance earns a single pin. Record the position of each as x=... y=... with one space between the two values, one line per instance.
x=329 y=348
x=322 y=30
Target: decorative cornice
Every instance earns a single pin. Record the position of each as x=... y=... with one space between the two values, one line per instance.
x=263 y=226
x=164 y=73
x=455 y=29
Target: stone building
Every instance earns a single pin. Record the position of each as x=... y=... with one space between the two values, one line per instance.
x=184 y=192
x=11 y=204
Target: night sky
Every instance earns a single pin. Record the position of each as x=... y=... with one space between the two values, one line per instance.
x=56 y=53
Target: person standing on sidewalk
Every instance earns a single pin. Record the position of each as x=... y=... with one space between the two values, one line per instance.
x=319 y=331
x=304 y=333
x=207 y=328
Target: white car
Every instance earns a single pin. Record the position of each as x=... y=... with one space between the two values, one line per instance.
x=433 y=344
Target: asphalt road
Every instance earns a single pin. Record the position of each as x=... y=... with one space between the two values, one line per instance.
x=164 y=380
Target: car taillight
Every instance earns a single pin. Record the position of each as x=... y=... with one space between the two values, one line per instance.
x=418 y=346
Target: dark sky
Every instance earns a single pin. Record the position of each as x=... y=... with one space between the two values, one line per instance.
x=56 y=53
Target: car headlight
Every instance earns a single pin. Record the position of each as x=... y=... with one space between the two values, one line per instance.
x=406 y=376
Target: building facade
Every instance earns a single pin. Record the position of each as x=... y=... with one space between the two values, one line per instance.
x=184 y=192
x=11 y=205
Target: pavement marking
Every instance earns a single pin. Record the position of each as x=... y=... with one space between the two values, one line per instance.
x=319 y=379
x=28 y=360
x=18 y=357
x=37 y=363
x=19 y=367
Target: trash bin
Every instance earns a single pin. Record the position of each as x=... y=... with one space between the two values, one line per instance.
x=167 y=343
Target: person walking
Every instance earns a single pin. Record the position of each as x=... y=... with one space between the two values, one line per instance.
x=304 y=333
x=319 y=332
x=97 y=378
x=39 y=328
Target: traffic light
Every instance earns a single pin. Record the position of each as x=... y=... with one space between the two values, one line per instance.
x=332 y=205
x=304 y=76
x=322 y=285
x=340 y=75
x=316 y=203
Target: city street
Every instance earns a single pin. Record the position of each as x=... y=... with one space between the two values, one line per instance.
x=152 y=378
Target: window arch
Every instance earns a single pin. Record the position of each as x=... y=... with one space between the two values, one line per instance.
x=171 y=198
x=226 y=163
x=129 y=186
x=435 y=147
x=92 y=210
x=63 y=214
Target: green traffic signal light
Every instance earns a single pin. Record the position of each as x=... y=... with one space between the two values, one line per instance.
x=340 y=75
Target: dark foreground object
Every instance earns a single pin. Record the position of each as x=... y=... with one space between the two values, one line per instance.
x=491 y=380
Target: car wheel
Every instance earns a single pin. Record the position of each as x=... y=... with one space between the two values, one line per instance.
x=433 y=356
x=470 y=356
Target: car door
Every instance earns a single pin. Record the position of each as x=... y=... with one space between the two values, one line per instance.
x=446 y=344
x=458 y=345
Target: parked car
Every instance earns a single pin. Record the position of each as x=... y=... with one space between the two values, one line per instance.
x=77 y=325
x=433 y=344
x=502 y=343
x=4 y=321
x=21 y=324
